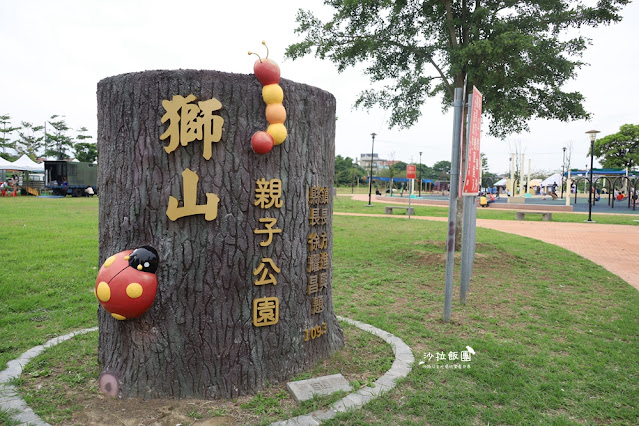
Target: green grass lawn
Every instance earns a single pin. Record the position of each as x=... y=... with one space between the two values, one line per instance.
x=49 y=259
x=556 y=337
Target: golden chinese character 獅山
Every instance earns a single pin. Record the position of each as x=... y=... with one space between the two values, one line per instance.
x=189 y=122
x=190 y=206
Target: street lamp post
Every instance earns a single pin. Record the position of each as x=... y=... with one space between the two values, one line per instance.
x=563 y=165
x=420 y=174
x=370 y=178
x=593 y=137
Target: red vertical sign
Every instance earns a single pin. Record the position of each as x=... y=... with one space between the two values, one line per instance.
x=411 y=172
x=471 y=183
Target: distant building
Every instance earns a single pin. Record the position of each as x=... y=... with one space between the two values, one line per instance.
x=378 y=163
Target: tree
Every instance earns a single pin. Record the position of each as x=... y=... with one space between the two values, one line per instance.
x=390 y=172
x=485 y=169
x=29 y=143
x=484 y=163
x=567 y=156
x=518 y=53
x=620 y=149
x=5 y=132
x=85 y=151
x=204 y=336
x=441 y=169
x=426 y=172
x=346 y=171
x=399 y=167
x=61 y=141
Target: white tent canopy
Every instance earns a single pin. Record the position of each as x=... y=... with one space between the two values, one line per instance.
x=551 y=180
x=4 y=164
x=23 y=163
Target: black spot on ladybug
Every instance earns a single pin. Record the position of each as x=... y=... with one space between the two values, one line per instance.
x=146 y=257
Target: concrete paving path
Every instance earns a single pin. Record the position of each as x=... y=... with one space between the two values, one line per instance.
x=615 y=247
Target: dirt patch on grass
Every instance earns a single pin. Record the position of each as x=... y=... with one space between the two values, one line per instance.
x=103 y=410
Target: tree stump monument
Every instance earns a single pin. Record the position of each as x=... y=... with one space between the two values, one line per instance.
x=244 y=240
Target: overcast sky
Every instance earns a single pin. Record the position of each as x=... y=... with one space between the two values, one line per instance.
x=55 y=52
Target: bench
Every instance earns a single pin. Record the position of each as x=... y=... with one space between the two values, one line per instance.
x=547 y=216
x=389 y=209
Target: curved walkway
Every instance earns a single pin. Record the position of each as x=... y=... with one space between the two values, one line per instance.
x=9 y=398
x=612 y=246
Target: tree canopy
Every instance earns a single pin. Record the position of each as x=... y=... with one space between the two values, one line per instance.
x=620 y=149
x=5 y=132
x=85 y=151
x=32 y=140
x=346 y=171
x=442 y=169
x=29 y=143
x=61 y=141
x=518 y=53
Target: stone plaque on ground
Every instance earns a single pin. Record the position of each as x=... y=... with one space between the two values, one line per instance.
x=303 y=390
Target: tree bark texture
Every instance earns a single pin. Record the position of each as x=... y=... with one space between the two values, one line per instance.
x=198 y=338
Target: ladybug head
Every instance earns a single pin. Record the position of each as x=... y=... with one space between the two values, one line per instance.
x=144 y=259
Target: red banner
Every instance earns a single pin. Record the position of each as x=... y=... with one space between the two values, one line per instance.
x=473 y=167
x=411 y=172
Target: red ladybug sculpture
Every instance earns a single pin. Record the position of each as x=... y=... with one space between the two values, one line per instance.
x=127 y=283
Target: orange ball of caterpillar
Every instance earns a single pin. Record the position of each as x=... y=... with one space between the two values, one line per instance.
x=275 y=113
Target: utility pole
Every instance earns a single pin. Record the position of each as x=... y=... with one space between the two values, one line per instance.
x=563 y=165
x=420 y=174
x=458 y=105
x=370 y=179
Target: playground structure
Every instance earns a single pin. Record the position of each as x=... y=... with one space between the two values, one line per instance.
x=624 y=186
x=608 y=182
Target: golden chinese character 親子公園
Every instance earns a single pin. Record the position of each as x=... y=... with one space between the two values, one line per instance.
x=268 y=193
x=266 y=311
x=267 y=277
x=268 y=222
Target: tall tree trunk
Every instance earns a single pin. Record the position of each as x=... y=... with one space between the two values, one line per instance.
x=200 y=337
